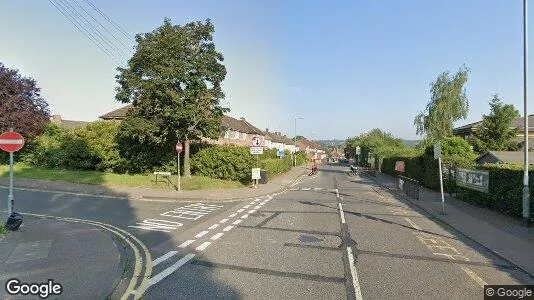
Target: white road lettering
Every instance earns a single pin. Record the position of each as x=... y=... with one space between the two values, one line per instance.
x=158 y=225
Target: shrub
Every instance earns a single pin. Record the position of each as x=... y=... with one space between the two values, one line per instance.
x=48 y=149
x=224 y=162
x=275 y=166
x=101 y=139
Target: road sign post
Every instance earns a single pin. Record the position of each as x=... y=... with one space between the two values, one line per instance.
x=437 y=155
x=11 y=142
x=257 y=150
x=179 y=149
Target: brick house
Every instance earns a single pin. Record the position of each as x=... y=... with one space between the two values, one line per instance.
x=233 y=131
x=275 y=140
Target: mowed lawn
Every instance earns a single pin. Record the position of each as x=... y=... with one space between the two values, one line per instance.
x=111 y=179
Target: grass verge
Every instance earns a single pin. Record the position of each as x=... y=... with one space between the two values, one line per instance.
x=3 y=230
x=112 y=179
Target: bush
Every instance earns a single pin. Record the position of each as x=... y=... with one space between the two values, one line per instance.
x=224 y=162
x=276 y=166
x=48 y=149
x=101 y=139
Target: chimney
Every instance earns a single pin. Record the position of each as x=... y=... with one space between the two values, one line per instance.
x=266 y=129
x=56 y=119
x=242 y=118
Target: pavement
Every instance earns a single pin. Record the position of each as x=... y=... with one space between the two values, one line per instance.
x=273 y=185
x=504 y=235
x=85 y=260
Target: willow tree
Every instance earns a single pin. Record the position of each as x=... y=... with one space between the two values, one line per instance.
x=448 y=104
x=174 y=83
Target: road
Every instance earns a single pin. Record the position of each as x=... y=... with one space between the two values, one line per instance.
x=331 y=236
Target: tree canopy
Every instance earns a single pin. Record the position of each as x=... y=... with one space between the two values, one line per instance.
x=21 y=105
x=448 y=103
x=377 y=142
x=174 y=83
x=497 y=131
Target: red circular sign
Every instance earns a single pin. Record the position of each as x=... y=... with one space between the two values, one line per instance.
x=179 y=147
x=11 y=141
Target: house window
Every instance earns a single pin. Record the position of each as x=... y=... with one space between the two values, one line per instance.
x=232 y=135
x=243 y=135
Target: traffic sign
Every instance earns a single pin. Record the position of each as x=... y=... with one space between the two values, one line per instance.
x=256 y=173
x=437 y=150
x=256 y=150
x=179 y=147
x=256 y=141
x=11 y=141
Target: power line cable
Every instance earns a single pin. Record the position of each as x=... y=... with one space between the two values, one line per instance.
x=127 y=35
x=99 y=23
x=116 y=51
x=87 y=34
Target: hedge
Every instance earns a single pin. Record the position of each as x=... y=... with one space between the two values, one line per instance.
x=224 y=162
x=276 y=166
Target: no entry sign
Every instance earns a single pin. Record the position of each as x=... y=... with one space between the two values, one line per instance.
x=179 y=147
x=11 y=141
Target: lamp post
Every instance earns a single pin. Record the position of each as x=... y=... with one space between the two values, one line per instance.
x=526 y=193
x=295 y=143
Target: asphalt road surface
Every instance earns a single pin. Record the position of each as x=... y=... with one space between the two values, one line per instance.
x=332 y=236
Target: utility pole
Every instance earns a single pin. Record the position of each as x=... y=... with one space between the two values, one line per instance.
x=526 y=192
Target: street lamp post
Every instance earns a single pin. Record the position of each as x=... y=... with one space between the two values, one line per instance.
x=526 y=192
x=295 y=144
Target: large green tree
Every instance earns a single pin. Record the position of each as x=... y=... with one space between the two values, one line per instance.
x=377 y=142
x=497 y=130
x=174 y=82
x=448 y=103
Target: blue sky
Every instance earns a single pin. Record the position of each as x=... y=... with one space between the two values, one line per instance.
x=345 y=67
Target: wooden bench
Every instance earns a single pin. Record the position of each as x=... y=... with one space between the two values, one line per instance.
x=164 y=174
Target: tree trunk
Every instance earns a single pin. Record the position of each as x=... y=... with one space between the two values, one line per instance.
x=187 y=162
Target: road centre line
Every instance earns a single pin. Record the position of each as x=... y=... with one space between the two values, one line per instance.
x=341 y=213
x=223 y=221
x=163 y=258
x=216 y=236
x=228 y=228
x=170 y=269
x=186 y=243
x=337 y=193
x=203 y=246
x=237 y=222
x=201 y=234
x=354 y=273
x=213 y=226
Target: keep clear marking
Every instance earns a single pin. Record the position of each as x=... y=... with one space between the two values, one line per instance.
x=216 y=236
x=189 y=212
x=237 y=222
x=355 y=281
x=246 y=206
x=252 y=211
x=241 y=210
x=213 y=226
x=223 y=221
x=232 y=215
x=244 y=216
x=228 y=228
x=257 y=207
x=201 y=234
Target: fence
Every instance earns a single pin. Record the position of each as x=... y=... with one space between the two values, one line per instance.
x=409 y=186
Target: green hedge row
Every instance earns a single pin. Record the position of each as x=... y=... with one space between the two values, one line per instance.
x=276 y=166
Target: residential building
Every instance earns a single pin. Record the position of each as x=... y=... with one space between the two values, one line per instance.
x=233 y=131
x=69 y=124
x=467 y=131
x=279 y=141
x=313 y=150
x=505 y=157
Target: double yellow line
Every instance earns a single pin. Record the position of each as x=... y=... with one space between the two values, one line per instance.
x=131 y=241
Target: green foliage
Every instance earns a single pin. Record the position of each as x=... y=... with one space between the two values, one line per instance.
x=448 y=103
x=301 y=157
x=101 y=139
x=224 y=162
x=48 y=149
x=377 y=143
x=3 y=230
x=456 y=152
x=497 y=131
x=276 y=166
x=174 y=82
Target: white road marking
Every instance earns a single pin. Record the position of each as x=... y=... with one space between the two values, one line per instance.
x=317 y=189
x=218 y=235
x=412 y=223
x=170 y=269
x=474 y=276
x=257 y=200
x=228 y=228
x=251 y=203
x=257 y=207
x=213 y=226
x=201 y=234
x=341 y=213
x=355 y=281
x=252 y=211
x=163 y=258
x=244 y=216
x=246 y=206
x=237 y=222
x=241 y=210
x=203 y=246
x=337 y=193
x=305 y=189
x=232 y=215
x=223 y=221
x=186 y=243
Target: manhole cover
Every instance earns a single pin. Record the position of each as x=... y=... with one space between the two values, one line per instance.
x=309 y=239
